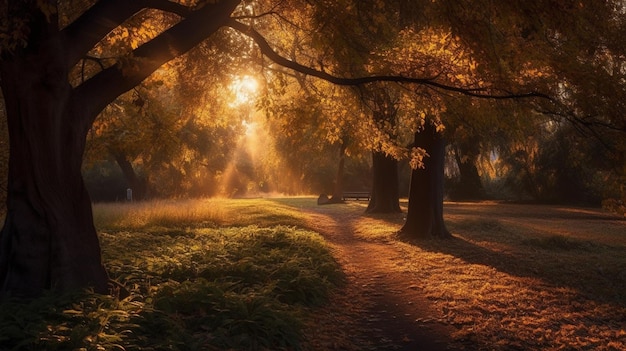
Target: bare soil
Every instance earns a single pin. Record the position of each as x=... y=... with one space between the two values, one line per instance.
x=476 y=292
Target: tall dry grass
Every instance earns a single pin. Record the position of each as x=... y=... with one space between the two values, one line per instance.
x=196 y=213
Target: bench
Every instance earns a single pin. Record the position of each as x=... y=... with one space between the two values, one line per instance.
x=355 y=195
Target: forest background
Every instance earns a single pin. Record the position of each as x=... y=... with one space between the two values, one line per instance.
x=195 y=129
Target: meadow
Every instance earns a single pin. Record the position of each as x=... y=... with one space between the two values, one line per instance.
x=202 y=275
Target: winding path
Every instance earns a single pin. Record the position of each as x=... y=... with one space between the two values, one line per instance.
x=381 y=307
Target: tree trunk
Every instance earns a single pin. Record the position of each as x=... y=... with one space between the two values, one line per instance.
x=338 y=188
x=470 y=186
x=138 y=185
x=385 y=185
x=425 y=213
x=48 y=240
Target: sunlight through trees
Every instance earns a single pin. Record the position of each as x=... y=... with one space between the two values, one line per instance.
x=169 y=92
x=245 y=90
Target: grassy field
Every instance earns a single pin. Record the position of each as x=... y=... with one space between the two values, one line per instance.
x=245 y=274
x=521 y=277
x=203 y=275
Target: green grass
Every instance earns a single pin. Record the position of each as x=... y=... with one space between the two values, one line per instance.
x=202 y=274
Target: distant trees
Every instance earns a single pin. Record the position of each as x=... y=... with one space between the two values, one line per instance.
x=571 y=52
x=162 y=142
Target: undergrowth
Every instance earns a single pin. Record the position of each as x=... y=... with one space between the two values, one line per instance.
x=196 y=286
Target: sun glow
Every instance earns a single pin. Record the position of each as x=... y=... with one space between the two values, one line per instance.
x=249 y=127
x=244 y=89
x=240 y=176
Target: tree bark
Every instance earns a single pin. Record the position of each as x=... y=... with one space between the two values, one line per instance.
x=425 y=212
x=48 y=240
x=385 y=185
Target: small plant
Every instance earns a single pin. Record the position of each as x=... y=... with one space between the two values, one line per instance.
x=617 y=206
x=69 y=322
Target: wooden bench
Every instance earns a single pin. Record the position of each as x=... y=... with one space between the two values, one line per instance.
x=355 y=195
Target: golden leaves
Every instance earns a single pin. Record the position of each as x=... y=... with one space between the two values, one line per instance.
x=416 y=159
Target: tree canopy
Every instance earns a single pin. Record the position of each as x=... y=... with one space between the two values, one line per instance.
x=568 y=54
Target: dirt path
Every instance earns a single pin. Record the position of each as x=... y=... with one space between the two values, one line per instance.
x=381 y=307
x=504 y=279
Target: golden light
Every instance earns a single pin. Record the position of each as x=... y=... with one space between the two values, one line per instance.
x=244 y=89
x=249 y=127
x=235 y=180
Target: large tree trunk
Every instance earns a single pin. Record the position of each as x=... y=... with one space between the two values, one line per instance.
x=48 y=240
x=425 y=213
x=385 y=185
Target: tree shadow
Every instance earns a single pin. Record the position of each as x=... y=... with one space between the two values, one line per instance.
x=531 y=211
x=556 y=260
x=555 y=267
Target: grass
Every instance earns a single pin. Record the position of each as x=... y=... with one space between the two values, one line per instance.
x=197 y=213
x=203 y=275
x=244 y=275
x=521 y=277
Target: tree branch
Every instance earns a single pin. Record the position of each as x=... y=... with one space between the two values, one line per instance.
x=268 y=51
x=104 y=87
x=100 y=19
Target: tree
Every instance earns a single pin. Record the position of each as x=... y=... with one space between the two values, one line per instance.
x=325 y=137
x=4 y=159
x=469 y=185
x=425 y=214
x=351 y=49
x=570 y=50
x=433 y=51
x=48 y=240
x=385 y=195
x=475 y=130
x=567 y=50
x=164 y=144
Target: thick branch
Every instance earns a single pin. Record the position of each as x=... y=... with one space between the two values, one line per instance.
x=268 y=51
x=93 y=25
x=104 y=87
